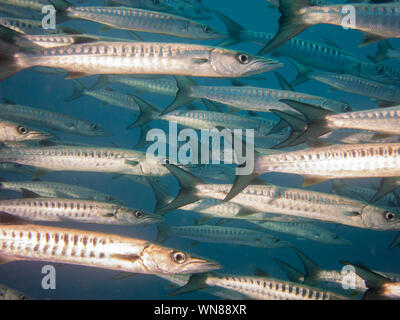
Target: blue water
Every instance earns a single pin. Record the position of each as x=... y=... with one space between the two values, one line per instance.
x=75 y=282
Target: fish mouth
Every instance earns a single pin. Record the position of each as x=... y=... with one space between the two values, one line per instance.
x=198 y=265
x=152 y=219
x=41 y=136
x=260 y=65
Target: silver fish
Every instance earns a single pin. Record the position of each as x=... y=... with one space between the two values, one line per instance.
x=95 y=249
x=219 y=234
x=48 y=119
x=379 y=21
x=259 y=288
x=11 y=294
x=136 y=58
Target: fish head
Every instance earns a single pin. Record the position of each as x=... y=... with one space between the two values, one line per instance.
x=159 y=259
x=229 y=63
x=18 y=133
x=136 y=217
x=204 y=32
x=380 y=218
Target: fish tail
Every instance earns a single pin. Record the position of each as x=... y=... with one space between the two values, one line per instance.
x=8 y=60
x=183 y=97
x=148 y=113
x=102 y=81
x=187 y=182
x=285 y=85
x=310 y=267
x=382 y=53
x=196 y=282
x=290 y=23
x=162 y=232
x=387 y=186
x=162 y=198
x=373 y=280
x=79 y=89
x=234 y=30
x=396 y=242
x=303 y=73
x=292 y=274
x=303 y=130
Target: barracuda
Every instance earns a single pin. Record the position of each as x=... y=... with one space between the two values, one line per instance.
x=76 y=210
x=87 y=159
x=332 y=279
x=55 y=190
x=382 y=121
x=203 y=120
x=140 y=20
x=162 y=86
x=94 y=249
x=385 y=94
x=16 y=168
x=247 y=98
x=135 y=58
x=53 y=120
x=288 y=201
x=29 y=27
x=11 y=294
x=111 y=97
x=218 y=234
x=13 y=132
x=305 y=231
x=328 y=57
x=349 y=161
x=259 y=288
x=379 y=21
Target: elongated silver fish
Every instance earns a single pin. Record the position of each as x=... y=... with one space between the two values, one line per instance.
x=383 y=121
x=89 y=159
x=136 y=58
x=329 y=57
x=247 y=98
x=219 y=234
x=305 y=231
x=200 y=119
x=27 y=4
x=29 y=26
x=76 y=210
x=7 y=293
x=384 y=94
x=14 y=132
x=333 y=279
x=164 y=86
x=288 y=201
x=106 y=96
x=259 y=288
x=141 y=20
x=16 y=168
x=95 y=249
x=334 y=162
x=48 y=119
x=379 y=21
x=56 y=190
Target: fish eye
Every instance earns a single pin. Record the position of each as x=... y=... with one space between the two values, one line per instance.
x=390 y=216
x=206 y=29
x=380 y=69
x=243 y=58
x=23 y=130
x=178 y=257
x=138 y=214
x=346 y=108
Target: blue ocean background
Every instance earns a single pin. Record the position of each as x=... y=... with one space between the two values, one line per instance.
x=75 y=282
